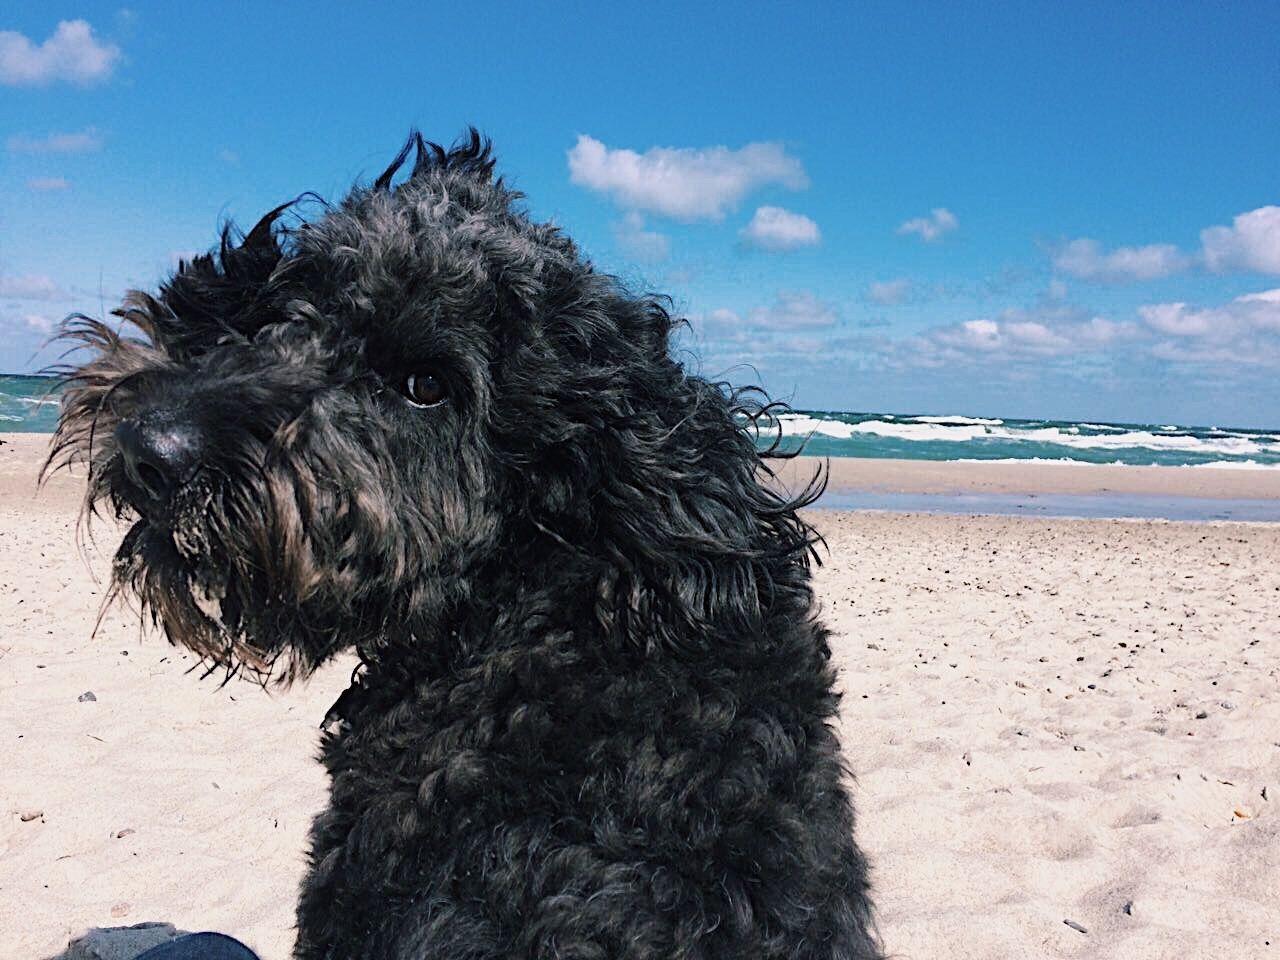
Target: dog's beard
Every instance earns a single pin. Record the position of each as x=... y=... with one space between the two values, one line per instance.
x=180 y=568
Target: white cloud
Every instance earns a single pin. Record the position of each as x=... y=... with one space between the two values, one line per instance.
x=1252 y=242
x=799 y=310
x=1243 y=333
x=723 y=319
x=47 y=183
x=932 y=228
x=72 y=54
x=804 y=344
x=720 y=325
x=1177 y=319
x=1266 y=306
x=30 y=287
x=39 y=322
x=646 y=246
x=1251 y=313
x=682 y=275
x=979 y=334
x=683 y=183
x=1099 y=331
x=1053 y=331
x=1012 y=336
x=1085 y=259
x=1231 y=358
x=85 y=141
x=776 y=229
x=795 y=323
x=889 y=292
x=1036 y=336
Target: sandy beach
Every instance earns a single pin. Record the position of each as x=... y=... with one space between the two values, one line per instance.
x=1066 y=733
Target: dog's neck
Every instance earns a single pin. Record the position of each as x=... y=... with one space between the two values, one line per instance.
x=431 y=649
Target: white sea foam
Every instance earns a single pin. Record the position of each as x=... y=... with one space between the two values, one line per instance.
x=958 y=420
x=1225 y=444
x=802 y=425
x=1232 y=446
x=797 y=424
x=1236 y=465
x=1066 y=461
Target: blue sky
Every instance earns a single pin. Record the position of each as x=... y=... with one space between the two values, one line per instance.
x=1023 y=209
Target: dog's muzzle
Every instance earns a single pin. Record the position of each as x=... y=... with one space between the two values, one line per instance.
x=160 y=453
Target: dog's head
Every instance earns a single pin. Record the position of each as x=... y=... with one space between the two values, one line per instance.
x=326 y=432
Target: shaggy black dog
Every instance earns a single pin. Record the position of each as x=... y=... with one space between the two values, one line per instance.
x=593 y=716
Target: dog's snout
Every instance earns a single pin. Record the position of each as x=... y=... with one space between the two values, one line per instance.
x=160 y=454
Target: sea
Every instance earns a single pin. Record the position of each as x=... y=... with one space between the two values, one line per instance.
x=955 y=437
x=30 y=404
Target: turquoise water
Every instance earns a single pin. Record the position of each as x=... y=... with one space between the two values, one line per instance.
x=931 y=437
x=28 y=404
x=31 y=404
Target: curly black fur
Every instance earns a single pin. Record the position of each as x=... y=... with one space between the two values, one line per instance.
x=593 y=718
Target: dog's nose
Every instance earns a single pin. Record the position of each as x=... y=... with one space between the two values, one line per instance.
x=160 y=454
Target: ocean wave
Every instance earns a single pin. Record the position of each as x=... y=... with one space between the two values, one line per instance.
x=1235 y=465
x=1065 y=461
x=1226 y=444
x=795 y=424
x=957 y=421
x=1145 y=440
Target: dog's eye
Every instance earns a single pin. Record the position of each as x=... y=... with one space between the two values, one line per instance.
x=423 y=389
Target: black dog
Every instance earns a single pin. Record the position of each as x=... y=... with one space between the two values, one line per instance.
x=593 y=716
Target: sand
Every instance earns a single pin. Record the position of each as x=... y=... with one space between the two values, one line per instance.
x=1050 y=721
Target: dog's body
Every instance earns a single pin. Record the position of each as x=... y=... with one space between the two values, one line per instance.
x=593 y=718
